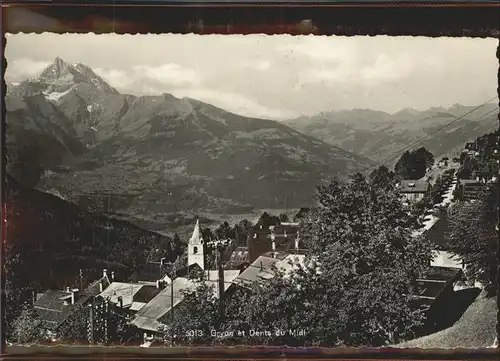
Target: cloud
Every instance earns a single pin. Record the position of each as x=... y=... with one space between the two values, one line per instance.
x=170 y=73
x=116 y=78
x=383 y=69
x=235 y=103
x=387 y=68
x=23 y=68
x=321 y=49
x=151 y=80
x=259 y=65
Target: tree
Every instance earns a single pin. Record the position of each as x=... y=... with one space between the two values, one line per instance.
x=28 y=328
x=224 y=231
x=361 y=237
x=469 y=168
x=281 y=304
x=242 y=230
x=356 y=286
x=18 y=286
x=414 y=165
x=301 y=214
x=179 y=247
x=283 y=217
x=436 y=193
x=195 y=318
x=474 y=238
x=208 y=236
x=110 y=325
x=75 y=327
x=383 y=177
x=267 y=220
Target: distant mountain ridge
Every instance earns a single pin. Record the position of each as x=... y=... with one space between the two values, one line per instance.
x=148 y=157
x=377 y=134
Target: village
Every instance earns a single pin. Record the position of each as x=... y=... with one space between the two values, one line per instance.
x=150 y=305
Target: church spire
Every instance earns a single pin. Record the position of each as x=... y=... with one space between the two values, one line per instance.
x=195 y=247
x=196 y=237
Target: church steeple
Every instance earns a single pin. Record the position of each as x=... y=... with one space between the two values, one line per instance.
x=195 y=247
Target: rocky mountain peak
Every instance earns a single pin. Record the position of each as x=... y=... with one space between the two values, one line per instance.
x=59 y=68
x=62 y=74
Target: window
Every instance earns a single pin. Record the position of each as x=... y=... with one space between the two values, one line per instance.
x=195 y=250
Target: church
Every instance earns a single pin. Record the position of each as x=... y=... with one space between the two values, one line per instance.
x=196 y=259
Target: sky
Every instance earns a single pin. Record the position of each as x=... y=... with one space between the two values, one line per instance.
x=276 y=77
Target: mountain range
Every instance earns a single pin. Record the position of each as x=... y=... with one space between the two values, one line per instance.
x=148 y=159
x=380 y=135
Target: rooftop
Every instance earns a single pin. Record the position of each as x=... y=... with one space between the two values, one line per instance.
x=259 y=269
x=147 y=317
x=124 y=290
x=442 y=273
x=413 y=186
x=52 y=308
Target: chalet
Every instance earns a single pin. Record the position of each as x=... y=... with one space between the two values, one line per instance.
x=469 y=189
x=413 y=190
x=55 y=306
x=471 y=146
x=130 y=296
x=265 y=266
x=156 y=313
x=261 y=268
x=283 y=237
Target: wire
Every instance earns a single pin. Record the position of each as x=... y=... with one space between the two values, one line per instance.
x=487 y=114
x=389 y=156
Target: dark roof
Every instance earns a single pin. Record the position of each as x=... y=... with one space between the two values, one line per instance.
x=431 y=289
x=443 y=273
x=148 y=317
x=146 y=294
x=437 y=279
x=51 y=308
x=52 y=299
x=413 y=186
x=93 y=290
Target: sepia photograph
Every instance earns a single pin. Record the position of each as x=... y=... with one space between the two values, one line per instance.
x=172 y=190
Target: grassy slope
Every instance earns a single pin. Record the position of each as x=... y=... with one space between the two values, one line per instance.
x=475 y=329
x=55 y=238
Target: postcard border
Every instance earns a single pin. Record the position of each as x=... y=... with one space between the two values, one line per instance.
x=348 y=19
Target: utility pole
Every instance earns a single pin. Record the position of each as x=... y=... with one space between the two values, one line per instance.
x=81 y=280
x=219 y=246
x=163 y=262
x=91 y=326
x=106 y=316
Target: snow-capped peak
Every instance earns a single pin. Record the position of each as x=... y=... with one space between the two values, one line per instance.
x=62 y=74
